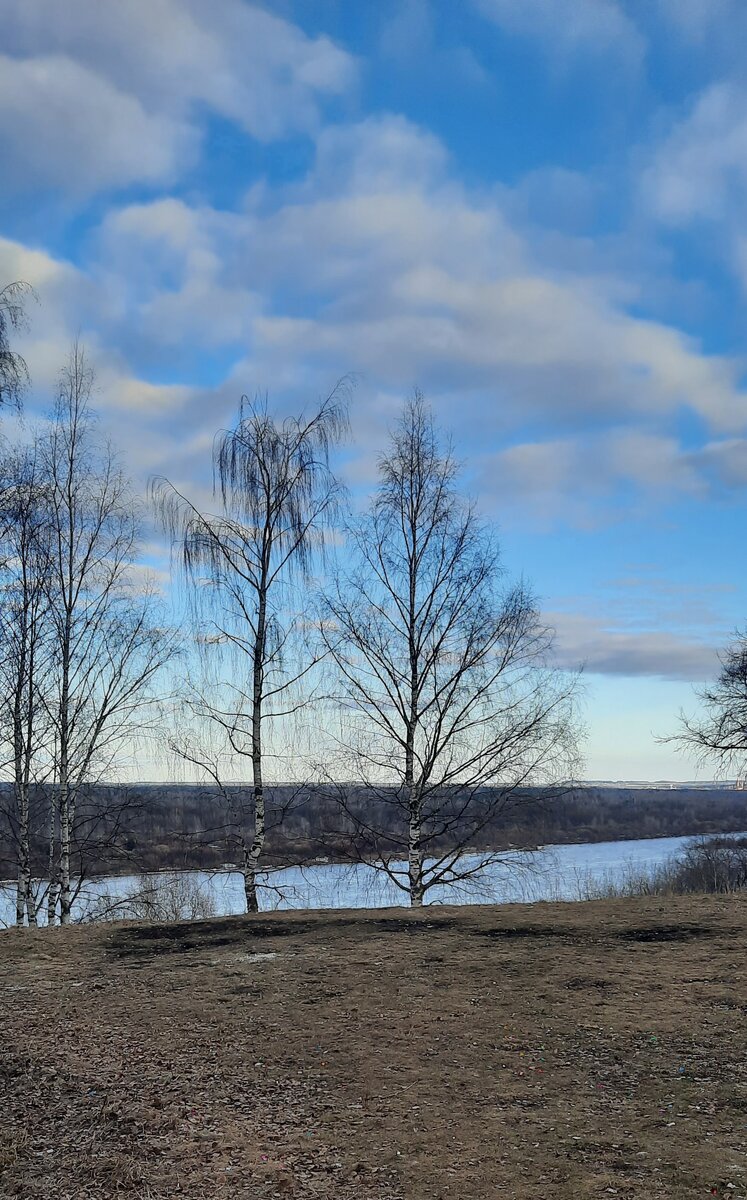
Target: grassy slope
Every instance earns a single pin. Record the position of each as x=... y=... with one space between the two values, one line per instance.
x=549 y=1051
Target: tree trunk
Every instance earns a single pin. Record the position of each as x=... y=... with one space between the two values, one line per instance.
x=414 y=805
x=20 y=898
x=65 y=799
x=250 y=884
x=52 y=871
x=65 y=835
x=258 y=837
x=415 y=822
x=415 y=830
x=415 y=854
x=21 y=749
x=24 y=901
x=31 y=908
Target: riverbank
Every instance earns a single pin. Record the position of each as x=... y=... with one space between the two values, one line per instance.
x=558 y=1051
x=562 y=872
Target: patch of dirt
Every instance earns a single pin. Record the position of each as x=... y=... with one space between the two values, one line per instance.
x=566 y=1052
x=507 y=932
x=183 y=936
x=602 y=985
x=665 y=933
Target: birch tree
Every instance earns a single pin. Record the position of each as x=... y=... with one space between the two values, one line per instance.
x=109 y=646
x=448 y=704
x=24 y=656
x=276 y=498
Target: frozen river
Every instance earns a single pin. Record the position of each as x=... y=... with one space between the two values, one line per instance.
x=552 y=873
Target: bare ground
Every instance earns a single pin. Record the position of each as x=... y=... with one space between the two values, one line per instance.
x=586 y=1050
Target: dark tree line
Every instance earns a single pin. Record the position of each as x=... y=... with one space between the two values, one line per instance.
x=127 y=828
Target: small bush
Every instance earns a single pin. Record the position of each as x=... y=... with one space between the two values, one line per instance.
x=162 y=896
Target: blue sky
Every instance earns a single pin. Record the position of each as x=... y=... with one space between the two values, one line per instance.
x=534 y=210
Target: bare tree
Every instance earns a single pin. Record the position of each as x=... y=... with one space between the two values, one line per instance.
x=24 y=653
x=109 y=647
x=277 y=498
x=719 y=735
x=13 y=370
x=449 y=704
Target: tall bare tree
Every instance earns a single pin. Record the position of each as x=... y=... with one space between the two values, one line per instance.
x=109 y=645
x=277 y=498
x=450 y=705
x=24 y=654
x=13 y=370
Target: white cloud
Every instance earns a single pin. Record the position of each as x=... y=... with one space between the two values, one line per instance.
x=700 y=169
x=569 y=28
x=724 y=462
x=589 y=641
x=164 y=264
x=146 y=420
x=373 y=157
x=578 y=480
x=62 y=124
x=412 y=33
x=695 y=20
x=379 y=264
x=90 y=97
x=408 y=278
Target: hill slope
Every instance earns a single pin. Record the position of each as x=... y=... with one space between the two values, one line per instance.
x=557 y=1051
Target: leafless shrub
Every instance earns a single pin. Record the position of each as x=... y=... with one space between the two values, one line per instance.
x=711 y=866
x=162 y=896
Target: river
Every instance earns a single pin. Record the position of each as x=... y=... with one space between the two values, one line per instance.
x=551 y=873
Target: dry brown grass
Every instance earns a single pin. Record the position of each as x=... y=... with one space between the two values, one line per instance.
x=588 y=1050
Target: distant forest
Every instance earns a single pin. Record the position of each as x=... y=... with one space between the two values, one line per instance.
x=155 y=826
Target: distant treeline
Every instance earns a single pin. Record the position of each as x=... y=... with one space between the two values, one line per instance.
x=154 y=826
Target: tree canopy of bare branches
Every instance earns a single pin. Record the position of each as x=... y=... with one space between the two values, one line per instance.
x=108 y=648
x=450 y=704
x=14 y=373
x=277 y=499
x=82 y=643
x=719 y=734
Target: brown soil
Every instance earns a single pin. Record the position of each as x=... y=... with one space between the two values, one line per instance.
x=586 y=1050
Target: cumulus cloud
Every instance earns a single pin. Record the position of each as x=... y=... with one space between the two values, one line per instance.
x=407 y=277
x=61 y=123
x=378 y=263
x=724 y=462
x=695 y=20
x=700 y=169
x=589 y=641
x=411 y=31
x=581 y=480
x=570 y=27
x=146 y=420
x=91 y=99
x=162 y=265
